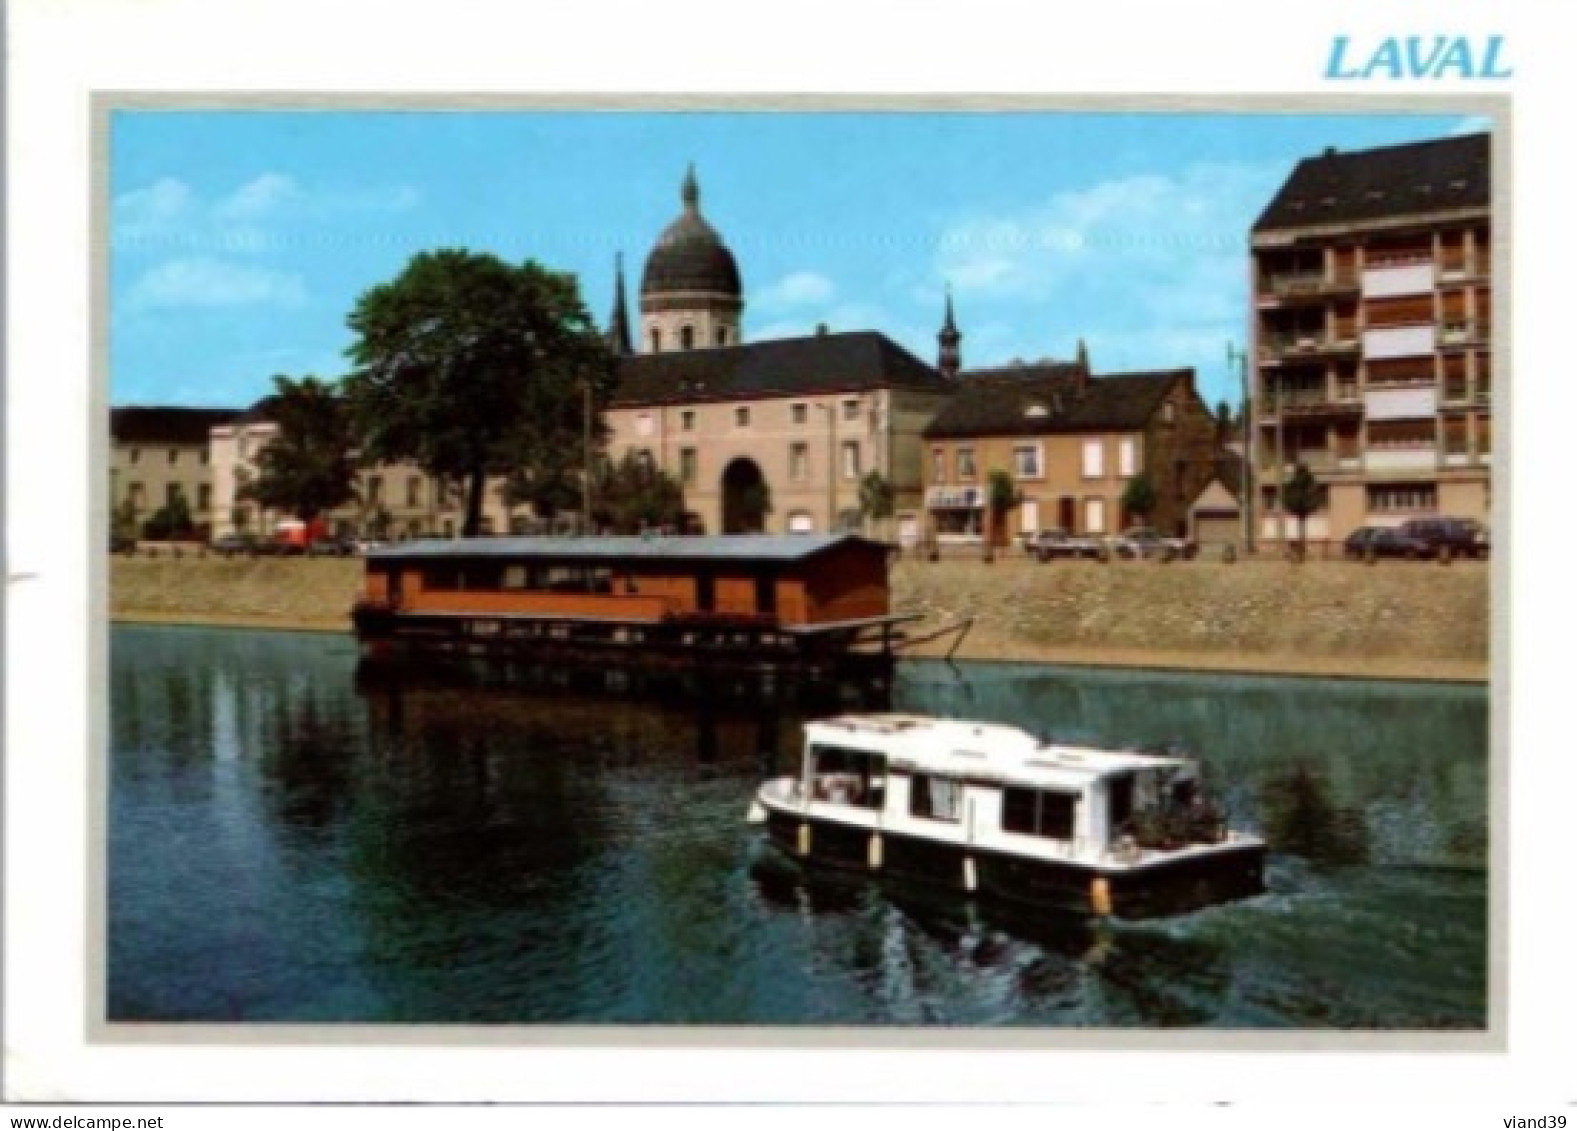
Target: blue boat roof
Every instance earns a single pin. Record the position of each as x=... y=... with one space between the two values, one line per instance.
x=717 y=547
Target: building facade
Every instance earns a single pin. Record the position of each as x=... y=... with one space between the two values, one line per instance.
x=1372 y=290
x=160 y=454
x=1071 y=442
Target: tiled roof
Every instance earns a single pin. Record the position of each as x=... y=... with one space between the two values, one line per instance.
x=158 y=424
x=1037 y=400
x=820 y=363
x=720 y=547
x=1381 y=184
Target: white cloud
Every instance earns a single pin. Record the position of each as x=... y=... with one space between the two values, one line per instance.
x=152 y=209
x=208 y=282
x=258 y=197
x=801 y=288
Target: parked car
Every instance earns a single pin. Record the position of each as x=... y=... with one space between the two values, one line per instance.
x=1459 y=537
x=1384 y=542
x=332 y=548
x=1147 y=542
x=1044 y=545
x=229 y=545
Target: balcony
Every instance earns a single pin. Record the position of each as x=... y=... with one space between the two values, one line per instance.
x=955 y=498
x=1316 y=406
x=1397 y=280
x=1463 y=333
x=1422 y=458
x=1277 y=348
x=1304 y=286
x=1417 y=402
x=1398 y=341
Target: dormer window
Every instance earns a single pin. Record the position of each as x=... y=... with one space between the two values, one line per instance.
x=1037 y=411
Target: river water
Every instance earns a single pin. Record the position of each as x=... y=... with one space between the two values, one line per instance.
x=290 y=841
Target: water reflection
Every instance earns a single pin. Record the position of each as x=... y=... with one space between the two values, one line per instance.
x=294 y=838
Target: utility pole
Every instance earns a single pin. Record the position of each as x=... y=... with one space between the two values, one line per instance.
x=1236 y=358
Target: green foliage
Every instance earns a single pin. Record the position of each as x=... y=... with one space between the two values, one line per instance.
x=172 y=522
x=1139 y=497
x=635 y=495
x=1301 y=818
x=123 y=522
x=876 y=497
x=307 y=468
x=472 y=367
x=1302 y=495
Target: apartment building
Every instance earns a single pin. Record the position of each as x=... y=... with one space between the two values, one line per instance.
x=1372 y=317
x=1071 y=443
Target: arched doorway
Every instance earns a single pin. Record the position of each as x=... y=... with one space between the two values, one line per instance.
x=746 y=498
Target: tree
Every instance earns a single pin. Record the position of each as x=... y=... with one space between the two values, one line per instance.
x=123 y=521
x=170 y=522
x=1140 y=498
x=876 y=497
x=1302 y=495
x=472 y=367
x=306 y=469
x=634 y=495
x=1001 y=496
x=550 y=485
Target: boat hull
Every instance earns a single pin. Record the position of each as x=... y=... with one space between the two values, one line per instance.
x=1167 y=886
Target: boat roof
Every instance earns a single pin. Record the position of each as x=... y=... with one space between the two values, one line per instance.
x=716 y=547
x=966 y=749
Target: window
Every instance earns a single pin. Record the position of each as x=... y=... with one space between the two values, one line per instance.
x=643 y=459
x=1026 y=461
x=135 y=455
x=851 y=459
x=966 y=463
x=687 y=465
x=645 y=425
x=205 y=496
x=175 y=455
x=413 y=491
x=687 y=420
x=687 y=337
x=1127 y=457
x=1094 y=459
x=742 y=416
x=1168 y=412
x=799 y=462
x=722 y=335
x=938 y=465
x=799 y=413
x=851 y=410
x=940 y=799
x=657 y=340
x=202 y=457
x=1039 y=812
x=374 y=489
x=172 y=494
x=1393 y=497
x=1095 y=516
x=849 y=777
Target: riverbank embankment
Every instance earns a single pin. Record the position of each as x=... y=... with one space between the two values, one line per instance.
x=1397 y=620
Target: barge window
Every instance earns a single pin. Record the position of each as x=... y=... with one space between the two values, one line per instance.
x=1039 y=812
x=851 y=777
x=940 y=799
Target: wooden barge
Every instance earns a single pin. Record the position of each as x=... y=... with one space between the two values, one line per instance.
x=800 y=605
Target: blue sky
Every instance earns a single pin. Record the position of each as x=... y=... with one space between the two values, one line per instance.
x=240 y=240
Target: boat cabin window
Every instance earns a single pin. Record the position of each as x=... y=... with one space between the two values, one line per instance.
x=941 y=799
x=848 y=777
x=1039 y=812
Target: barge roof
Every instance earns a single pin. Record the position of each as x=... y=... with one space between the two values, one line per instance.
x=719 y=547
x=983 y=750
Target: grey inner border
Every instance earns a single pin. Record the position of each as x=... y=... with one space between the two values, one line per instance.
x=1496 y=108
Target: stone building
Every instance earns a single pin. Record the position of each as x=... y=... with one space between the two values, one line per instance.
x=775 y=435
x=160 y=453
x=1071 y=442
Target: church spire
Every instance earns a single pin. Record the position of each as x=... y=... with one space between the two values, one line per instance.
x=619 y=324
x=949 y=358
x=690 y=191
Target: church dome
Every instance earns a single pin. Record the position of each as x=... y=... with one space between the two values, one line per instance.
x=690 y=257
